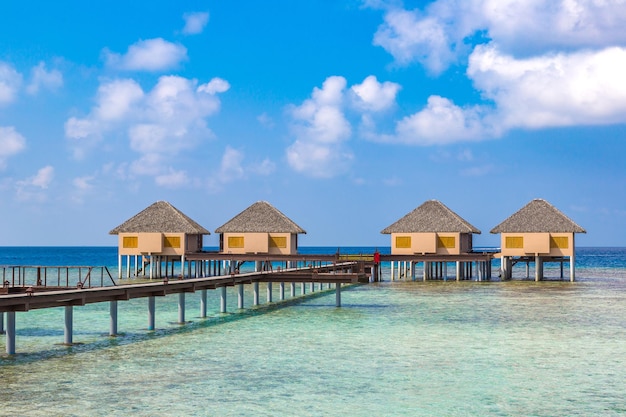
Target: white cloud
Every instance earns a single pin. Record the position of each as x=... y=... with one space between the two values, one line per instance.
x=149 y=164
x=442 y=122
x=318 y=160
x=83 y=183
x=216 y=85
x=148 y=55
x=33 y=188
x=320 y=126
x=43 y=178
x=10 y=83
x=553 y=90
x=266 y=167
x=172 y=179
x=410 y=36
x=539 y=26
x=42 y=78
x=440 y=35
x=195 y=22
x=168 y=119
x=11 y=143
x=230 y=167
x=116 y=99
x=373 y=96
x=536 y=64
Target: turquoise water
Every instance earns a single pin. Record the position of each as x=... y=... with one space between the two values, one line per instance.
x=396 y=348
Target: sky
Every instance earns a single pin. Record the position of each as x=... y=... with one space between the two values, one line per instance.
x=343 y=114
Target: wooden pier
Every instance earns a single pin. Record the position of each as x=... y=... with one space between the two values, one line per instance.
x=25 y=297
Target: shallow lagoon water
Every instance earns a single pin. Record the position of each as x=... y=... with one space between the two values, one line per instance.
x=394 y=348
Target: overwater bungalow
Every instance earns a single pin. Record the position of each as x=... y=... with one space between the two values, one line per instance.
x=159 y=233
x=431 y=229
x=260 y=229
x=538 y=233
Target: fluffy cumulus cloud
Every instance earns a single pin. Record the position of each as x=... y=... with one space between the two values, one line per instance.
x=562 y=89
x=164 y=121
x=536 y=63
x=10 y=83
x=42 y=78
x=371 y=95
x=11 y=143
x=33 y=188
x=320 y=127
x=442 y=33
x=442 y=122
x=148 y=55
x=195 y=22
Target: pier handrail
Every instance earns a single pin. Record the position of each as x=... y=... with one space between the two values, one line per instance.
x=44 y=277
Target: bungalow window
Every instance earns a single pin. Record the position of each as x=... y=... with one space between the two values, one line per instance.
x=403 y=242
x=559 y=242
x=446 y=242
x=130 y=242
x=235 y=242
x=514 y=242
x=171 y=241
x=278 y=242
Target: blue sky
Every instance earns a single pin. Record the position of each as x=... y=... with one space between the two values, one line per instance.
x=345 y=115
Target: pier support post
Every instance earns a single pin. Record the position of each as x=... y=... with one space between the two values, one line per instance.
x=151 y=311
x=69 y=318
x=538 y=268
x=337 y=295
x=293 y=289
x=203 y=304
x=255 y=296
x=572 y=266
x=240 y=296
x=223 y=300
x=113 y=318
x=282 y=291
x=181 y=308
x=392 y=270
x=119 y=266
x=2 y=322
x=10 y=333
x=303 y=288
x=269 y=292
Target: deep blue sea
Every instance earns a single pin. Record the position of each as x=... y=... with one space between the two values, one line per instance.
x=401 y=348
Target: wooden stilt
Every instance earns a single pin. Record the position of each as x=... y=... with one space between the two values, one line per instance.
x=151 y=312
x=203 y=299
x=113 y=318
x=68 y=330
x=10 y=336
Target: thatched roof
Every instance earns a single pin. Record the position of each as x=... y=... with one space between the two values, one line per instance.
x=538 y=216
x=431 y=217
x=160 y=217
x=260 y=217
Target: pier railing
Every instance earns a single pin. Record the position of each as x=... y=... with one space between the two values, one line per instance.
x=17 y=278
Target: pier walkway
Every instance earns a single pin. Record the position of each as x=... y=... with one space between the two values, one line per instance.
x=24 y=298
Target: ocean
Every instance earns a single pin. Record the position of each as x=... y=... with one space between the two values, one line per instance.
x=402 y=348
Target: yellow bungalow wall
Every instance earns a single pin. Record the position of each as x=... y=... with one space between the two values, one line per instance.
x=165 y=244
x=546 y=244
x=264 y=243
x=430 y=243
